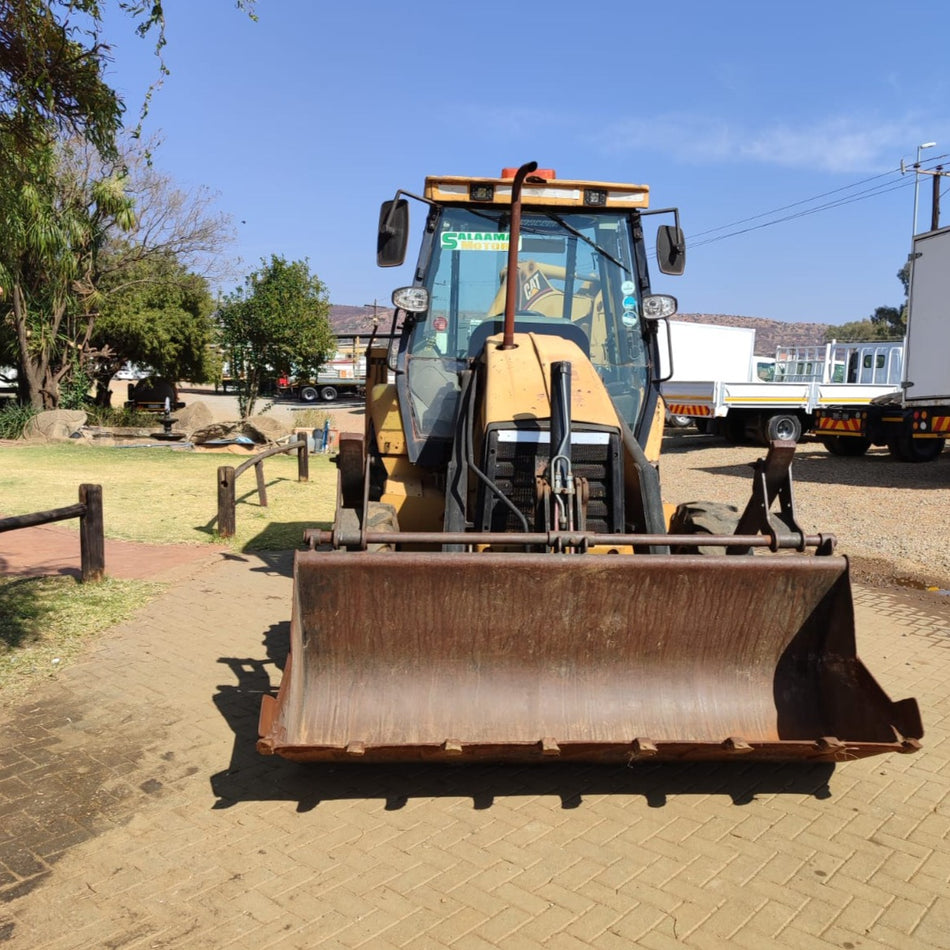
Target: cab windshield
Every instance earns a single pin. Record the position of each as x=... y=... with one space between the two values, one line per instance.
x=576 y=276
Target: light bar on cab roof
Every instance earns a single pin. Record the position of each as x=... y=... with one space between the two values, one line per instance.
x=549 y=192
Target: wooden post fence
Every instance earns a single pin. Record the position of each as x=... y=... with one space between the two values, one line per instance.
x=92 y=546
x=228 y=476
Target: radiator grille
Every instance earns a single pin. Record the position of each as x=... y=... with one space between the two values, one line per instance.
x=513 y=462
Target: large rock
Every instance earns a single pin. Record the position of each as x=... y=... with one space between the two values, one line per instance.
x=55 y=425
x=266 y=429
x=193 y=418
x=213 y=432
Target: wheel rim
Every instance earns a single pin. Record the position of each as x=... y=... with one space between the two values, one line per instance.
x=785 y=429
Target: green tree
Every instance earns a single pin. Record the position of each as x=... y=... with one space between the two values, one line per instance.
x=157 y=313
x=54 y=229
x=856 y=331
x=276 y=324
x=89 y=229
x=56 y=223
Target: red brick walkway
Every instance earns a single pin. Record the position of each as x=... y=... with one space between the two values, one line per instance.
x=135 y=813
x=51 y=549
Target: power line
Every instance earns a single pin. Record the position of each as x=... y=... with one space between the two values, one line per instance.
x=795 y=204
x=850 y=199
x=892 y=184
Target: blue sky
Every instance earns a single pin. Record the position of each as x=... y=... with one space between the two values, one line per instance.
x=304 y=121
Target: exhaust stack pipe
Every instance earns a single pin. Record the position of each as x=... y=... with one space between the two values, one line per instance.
x=514 y=228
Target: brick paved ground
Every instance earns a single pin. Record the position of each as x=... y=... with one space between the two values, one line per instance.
x=134 y=813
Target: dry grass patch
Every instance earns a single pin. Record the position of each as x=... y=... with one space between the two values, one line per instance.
x=157 y=496
x=164 y=496
x=46 y=621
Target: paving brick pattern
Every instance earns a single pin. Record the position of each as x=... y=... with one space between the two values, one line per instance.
x=135 y=813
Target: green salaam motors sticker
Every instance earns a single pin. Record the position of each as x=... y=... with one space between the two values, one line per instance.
x=475 y=240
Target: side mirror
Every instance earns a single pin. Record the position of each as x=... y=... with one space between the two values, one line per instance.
x=670 y=250
x=393 y=233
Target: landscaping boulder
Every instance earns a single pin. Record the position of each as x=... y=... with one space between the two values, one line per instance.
x=195 y=417
x=213 y=432
x=266 y=429
x=55 y=425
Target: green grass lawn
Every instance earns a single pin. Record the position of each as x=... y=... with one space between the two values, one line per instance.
x=157 y=496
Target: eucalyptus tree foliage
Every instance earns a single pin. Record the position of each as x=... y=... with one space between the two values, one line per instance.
x=52 y=59
x=277 y=324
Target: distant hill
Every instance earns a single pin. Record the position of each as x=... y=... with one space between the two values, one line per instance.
x=358 y=321
x=769 y=334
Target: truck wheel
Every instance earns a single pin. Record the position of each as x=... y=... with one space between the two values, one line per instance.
x=846 y=445
x=908 y=449
x=308 y=394
x=783 y=427
x=703 y=517
x=328 y=393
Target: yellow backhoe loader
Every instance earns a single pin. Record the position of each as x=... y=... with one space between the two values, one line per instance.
x=502 y=580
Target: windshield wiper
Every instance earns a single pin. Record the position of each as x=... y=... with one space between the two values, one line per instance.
x=579 y=234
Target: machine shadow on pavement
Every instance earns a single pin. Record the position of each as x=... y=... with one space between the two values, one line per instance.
x=250 y=776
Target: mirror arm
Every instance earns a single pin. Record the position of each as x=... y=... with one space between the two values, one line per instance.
x=673 y=211
x=387 y=227
x=669 y=348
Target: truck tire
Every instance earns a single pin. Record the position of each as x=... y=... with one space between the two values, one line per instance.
x=846 y=445
x=906 y=448
x=703 y=517
x=678 y=422
x=328 y=393
x=308 y=394
x=784 y=427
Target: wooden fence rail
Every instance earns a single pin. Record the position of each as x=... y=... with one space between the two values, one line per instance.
x=92 y=546
x=228 y=476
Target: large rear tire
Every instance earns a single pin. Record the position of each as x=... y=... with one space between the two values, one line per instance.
x=308 y=394
x=703 y=517
x=850 y=446
x=908 y=449
x=328 y=393
x=381 y=517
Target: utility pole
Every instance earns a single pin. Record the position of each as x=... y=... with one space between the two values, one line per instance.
x=920 y=148
x=935 y=202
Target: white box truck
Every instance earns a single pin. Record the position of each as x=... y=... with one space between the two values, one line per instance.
x=762 y=399
x=913 y=421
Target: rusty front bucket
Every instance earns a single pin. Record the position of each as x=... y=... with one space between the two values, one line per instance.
x=401 y=656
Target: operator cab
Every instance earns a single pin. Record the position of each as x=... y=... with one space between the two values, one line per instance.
x=581 y=275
